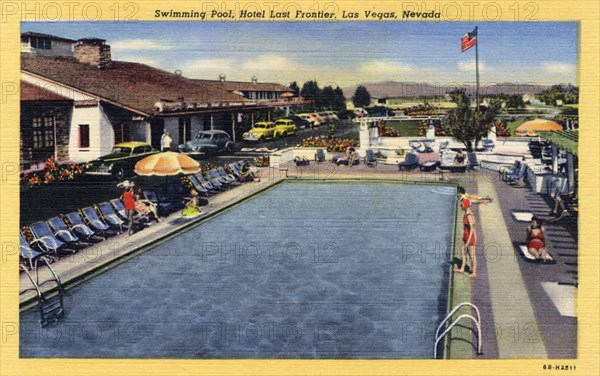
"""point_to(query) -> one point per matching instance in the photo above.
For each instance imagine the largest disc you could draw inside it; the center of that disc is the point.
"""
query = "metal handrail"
(449, 315)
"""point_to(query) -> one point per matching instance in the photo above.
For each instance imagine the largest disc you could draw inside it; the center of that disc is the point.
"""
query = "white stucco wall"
(101, 134)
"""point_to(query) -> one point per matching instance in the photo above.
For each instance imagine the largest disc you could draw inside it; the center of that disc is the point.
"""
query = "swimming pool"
(302, 270)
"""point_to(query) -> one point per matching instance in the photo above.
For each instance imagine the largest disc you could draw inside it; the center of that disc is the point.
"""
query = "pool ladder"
(477, 322)
(51, 307)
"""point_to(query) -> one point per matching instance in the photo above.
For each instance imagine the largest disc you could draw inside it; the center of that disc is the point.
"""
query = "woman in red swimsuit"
(469, 239)
(129, 202)
(535, 240)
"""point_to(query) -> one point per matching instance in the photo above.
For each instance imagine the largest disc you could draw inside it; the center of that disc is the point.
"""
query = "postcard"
(299, 187)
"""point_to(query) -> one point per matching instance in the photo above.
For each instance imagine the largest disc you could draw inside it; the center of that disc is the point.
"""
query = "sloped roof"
(131, 85)
(30, 92)
(246, 86)
(53, 37)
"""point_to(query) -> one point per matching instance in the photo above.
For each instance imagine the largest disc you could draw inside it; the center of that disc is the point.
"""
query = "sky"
(340, 53)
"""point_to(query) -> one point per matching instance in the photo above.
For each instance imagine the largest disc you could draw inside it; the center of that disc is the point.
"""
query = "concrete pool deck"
(519, 320)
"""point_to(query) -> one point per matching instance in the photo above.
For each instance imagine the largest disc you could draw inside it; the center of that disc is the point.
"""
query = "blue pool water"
(346, 270)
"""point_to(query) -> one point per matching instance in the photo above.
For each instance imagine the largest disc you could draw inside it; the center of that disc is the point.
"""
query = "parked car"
(380, 111)
(260, 131)
(300, 123)
(285, 127)
(328, 117)
(208, 142)
(312, 118)
(120, 162)
(346, 115)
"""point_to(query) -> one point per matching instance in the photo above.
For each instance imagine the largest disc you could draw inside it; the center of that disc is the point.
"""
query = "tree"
(294, 86)
(361, 97)
(340, 100)
(310, 90)
(468, 126)
(515, 101)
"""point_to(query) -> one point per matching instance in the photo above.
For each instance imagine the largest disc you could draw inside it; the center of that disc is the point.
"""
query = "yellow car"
(260, 131)
(285, 127)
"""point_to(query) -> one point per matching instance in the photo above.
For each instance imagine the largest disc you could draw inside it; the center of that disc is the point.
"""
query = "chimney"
(93, 51)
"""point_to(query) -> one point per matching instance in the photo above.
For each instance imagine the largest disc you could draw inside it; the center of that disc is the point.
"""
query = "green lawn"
(512, 125)
(406, 128)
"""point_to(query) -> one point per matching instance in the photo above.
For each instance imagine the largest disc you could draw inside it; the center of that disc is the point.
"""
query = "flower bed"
(51, 173)
(331, 144)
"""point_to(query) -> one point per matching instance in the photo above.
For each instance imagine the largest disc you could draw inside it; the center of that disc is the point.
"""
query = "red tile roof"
(131, 85)
(30, 92)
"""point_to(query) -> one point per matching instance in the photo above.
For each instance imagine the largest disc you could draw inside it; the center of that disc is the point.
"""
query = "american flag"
(468, 40)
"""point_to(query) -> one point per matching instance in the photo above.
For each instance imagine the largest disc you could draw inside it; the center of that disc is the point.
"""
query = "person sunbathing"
(145, 207)
(473, 198)
(459, 158)
(536, 240)
(191, 208)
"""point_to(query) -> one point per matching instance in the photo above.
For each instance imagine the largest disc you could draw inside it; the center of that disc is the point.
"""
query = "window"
(185, 129)
(43, 132)
(122, 133)
(42, 43)
(84, 135)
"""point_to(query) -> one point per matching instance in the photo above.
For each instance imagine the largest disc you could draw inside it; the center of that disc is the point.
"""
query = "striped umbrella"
(166, 164)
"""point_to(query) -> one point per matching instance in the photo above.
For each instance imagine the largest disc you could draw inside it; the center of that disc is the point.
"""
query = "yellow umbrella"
(530, 128)
(166, 164)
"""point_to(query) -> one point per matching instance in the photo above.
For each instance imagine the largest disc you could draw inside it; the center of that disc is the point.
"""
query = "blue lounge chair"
(488, 145)
(472, 161)
(163, 207)
(444, 146)
(90, 215)
(411, 161)
(516, 178)
(229, 177)
(79, 228)
(63, 233)
(214, 176)
(344, 160)
(44, 235)
(119, 207)
(110, 216)
(370, 158)
(197, 186)
(320, 156)
(27, 254)
(447, 163)
(206, 184)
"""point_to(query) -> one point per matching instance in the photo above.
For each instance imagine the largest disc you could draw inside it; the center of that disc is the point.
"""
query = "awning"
(566, 140)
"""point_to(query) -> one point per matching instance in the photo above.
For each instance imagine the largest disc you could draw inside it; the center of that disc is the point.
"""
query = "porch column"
(233, 127)
(554, 160)
(570, 173)
(212, 122)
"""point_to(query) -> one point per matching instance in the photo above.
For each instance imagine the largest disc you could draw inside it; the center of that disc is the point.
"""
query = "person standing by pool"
(129, 202)
(469, 239)
(165, 142)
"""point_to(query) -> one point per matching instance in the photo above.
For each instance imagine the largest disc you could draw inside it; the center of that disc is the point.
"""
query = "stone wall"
(96, 55)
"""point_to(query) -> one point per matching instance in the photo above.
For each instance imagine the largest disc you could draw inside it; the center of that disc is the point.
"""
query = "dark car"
(300, 123)
(379, 111)
(120, 162)
(208, 142)
(346, 114)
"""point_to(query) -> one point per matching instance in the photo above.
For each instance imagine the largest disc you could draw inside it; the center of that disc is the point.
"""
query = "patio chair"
(472, 161)
(229, 177)
(215, 182)
(370, 158)
(197, 186)
(213, 175)
(344, 160)
(63, 233)
(320, 156)
(27, 255)
(237, 172)
(83, 231)
(206, 184)
(516, 178)
(164, 207)
(504, 171)
(488, 145)
(110, 216)
(444, 146)
(411, 161)
(43, 234)
(90, 216)
(119, 208)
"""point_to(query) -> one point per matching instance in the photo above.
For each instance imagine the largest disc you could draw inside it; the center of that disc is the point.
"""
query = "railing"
(477, 322)
(51, 309)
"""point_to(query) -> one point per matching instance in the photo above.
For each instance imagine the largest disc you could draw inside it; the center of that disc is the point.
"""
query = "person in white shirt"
(165, 142)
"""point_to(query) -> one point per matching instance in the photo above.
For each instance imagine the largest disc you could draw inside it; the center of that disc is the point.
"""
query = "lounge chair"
(44, 235)
(410, 162)
(90, 215)
(370, 158)
(213, 175)
(229, 177)
(208, 185)
(488, 145)
(83, 231)
(320, 156)
(110, 216)
(444, 146)
(504, 171)
(163, 207)
(447, 163)
(472, 162)
(516, 178)
(63, 233)
(215, 182)
(344, 160)
(236, 170)
(197, 186)
(119, 208)
(27, 254)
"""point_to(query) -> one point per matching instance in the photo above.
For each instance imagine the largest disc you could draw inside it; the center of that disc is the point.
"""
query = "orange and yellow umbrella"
(166, 164)
(530, 128)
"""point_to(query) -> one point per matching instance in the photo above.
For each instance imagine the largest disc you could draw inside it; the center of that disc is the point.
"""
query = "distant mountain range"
(393, 89)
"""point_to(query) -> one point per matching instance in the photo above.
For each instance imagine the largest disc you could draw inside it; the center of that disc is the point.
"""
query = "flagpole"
(477, 67)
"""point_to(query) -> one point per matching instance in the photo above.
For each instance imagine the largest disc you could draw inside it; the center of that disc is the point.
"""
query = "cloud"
(139, 45)
(209, 69)
(556, 67)
(384, 67)
(470, 67)
(270, 63)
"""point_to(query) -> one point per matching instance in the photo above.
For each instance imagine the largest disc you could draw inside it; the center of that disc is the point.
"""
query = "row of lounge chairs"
(66, 234)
